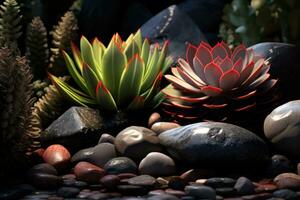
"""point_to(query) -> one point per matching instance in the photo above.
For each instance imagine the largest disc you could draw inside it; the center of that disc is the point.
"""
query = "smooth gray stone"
(282, 127)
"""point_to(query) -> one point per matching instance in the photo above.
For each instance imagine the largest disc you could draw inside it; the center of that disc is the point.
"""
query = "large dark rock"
(81, 127)
(174, 25)
(284, 66)
(211, 11)
(215, 144)
(77, 128)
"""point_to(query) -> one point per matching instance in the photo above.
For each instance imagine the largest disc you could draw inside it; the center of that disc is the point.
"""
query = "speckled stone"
(57, 156)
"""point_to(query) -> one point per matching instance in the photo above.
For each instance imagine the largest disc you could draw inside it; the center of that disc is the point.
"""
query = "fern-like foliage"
(10, 27)
(15, 108)
(64, 33)
(261, 20)
(49, 106)
(37, 50)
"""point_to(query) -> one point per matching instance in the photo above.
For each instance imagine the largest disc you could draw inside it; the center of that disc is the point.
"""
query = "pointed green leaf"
(129, 39)
(154, 89)
(167, 64)
(131, 80)
(77, 56)
(145, 52)
(87, 55)
(113, 64)
(163, 54)
(157, 100)
(98, 50)
(90, 78)
(138, 38)
(132, 49)
(71, 93)
(137, 103)
(104, 97)
(155, 66)
(150, 69)
(74, 72)
(118, 39)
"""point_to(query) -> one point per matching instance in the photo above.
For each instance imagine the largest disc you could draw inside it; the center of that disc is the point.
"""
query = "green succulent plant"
(125, 75)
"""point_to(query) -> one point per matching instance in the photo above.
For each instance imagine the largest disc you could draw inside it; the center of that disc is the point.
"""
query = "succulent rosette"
(217, 79)
(125, 75)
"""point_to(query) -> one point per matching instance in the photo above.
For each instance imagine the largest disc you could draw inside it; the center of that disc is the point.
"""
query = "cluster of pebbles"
(165, 161)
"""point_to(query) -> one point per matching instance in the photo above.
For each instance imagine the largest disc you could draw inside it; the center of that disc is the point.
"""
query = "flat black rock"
(174, 25)
(215, 144)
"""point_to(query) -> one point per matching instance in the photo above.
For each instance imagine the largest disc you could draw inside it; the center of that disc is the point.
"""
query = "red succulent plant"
(217, 78)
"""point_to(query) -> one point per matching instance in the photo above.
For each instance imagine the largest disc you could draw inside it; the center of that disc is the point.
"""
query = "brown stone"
(288, 180)
(136, 142)
(154, 117)
(88, 172)
(160, 127)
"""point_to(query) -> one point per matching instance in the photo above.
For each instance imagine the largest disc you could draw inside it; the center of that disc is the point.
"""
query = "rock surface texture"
(214, 143)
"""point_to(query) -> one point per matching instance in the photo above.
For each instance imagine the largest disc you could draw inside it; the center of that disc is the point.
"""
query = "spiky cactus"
(37, 50)
(64, 33)
(10, 18)
(16, 136)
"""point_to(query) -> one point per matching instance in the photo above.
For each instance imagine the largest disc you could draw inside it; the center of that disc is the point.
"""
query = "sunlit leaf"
(145, 52)
(79, 80)
(91, 79)
(87, 55)
(98, 50)
(71, 93)
(113, 64)
(131, 80)
(104, 97)
(138, 38)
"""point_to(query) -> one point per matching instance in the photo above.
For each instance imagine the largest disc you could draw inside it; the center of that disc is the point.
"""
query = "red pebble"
(57, 156)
